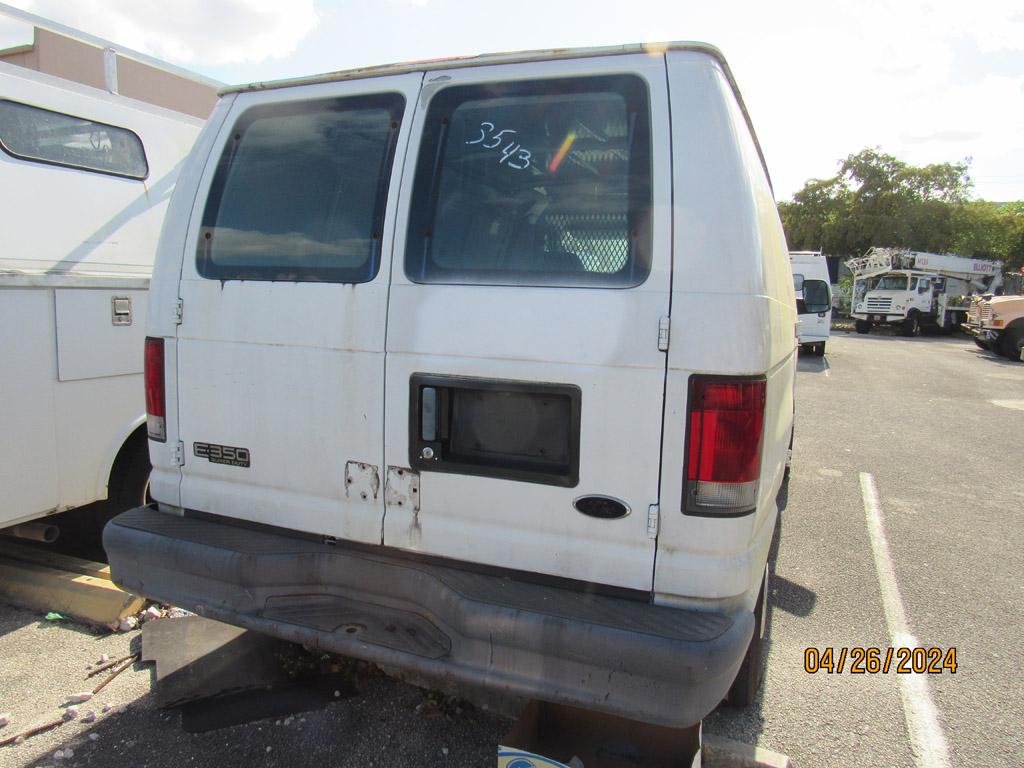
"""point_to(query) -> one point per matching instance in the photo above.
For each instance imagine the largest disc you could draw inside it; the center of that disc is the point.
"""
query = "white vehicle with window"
(813, 300)
(914, 290)
(86, 176)
(479, 368)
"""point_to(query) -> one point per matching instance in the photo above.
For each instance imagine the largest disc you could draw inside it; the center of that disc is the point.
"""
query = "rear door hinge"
(663, 332)
(178, 308)
(653, 517)
(179, 454)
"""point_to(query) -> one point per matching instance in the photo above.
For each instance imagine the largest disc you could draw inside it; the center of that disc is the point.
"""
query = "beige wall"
(81, 62)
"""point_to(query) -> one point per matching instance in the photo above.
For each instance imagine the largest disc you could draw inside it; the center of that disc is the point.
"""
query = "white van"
(86, 178)
(479, 368)
(813, 300)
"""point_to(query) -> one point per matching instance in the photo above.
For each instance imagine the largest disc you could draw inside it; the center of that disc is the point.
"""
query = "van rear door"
(284, 300)
(531, 276)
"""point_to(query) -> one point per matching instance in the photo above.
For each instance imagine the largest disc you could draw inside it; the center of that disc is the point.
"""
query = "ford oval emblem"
(603, 507)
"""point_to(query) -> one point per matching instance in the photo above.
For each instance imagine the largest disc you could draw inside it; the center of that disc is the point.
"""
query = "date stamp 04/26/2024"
(860, 660)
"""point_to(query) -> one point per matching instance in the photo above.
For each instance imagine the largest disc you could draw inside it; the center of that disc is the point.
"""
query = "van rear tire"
(748, 680)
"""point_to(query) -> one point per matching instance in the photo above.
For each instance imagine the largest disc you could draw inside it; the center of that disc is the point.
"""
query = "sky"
(928, 82)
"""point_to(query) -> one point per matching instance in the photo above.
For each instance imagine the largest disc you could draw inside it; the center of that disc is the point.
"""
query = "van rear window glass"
(817, 296)
(299, 192)
(43, 136)
(544, 182)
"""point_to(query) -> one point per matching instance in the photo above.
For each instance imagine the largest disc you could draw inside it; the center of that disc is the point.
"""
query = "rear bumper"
(628, 658)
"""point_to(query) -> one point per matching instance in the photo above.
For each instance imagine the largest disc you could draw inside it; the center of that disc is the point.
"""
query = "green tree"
(990, 231)
(877, 200)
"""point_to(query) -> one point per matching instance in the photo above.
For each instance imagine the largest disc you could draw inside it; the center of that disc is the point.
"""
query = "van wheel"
(748, 680)
(862, 326)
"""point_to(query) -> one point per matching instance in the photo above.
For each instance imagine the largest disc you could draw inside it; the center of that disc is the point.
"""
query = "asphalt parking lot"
(938, 426)
(903, 521)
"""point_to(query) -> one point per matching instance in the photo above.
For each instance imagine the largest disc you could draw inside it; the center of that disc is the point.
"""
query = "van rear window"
(544, 182)
(299, 192)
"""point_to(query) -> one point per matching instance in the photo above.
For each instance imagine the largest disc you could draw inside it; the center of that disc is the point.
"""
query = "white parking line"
(927, 739)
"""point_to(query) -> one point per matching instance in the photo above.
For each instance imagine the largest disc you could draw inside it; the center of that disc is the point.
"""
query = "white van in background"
(478, 368)
(85, 177)
(813, 300)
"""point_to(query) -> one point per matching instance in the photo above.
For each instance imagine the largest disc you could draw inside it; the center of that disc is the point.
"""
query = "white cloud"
(190, 32)
(890, 74)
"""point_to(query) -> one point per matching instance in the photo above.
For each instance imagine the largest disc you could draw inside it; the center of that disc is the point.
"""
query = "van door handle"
(428, 414)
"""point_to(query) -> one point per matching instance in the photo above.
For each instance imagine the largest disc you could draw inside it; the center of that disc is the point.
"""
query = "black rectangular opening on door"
(514, 430)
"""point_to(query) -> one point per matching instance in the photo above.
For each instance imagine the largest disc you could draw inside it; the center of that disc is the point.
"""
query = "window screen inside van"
(45, 136)
(544, 182)
(299, 192)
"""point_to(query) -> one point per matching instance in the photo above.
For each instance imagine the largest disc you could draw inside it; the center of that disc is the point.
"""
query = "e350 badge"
(222, 454)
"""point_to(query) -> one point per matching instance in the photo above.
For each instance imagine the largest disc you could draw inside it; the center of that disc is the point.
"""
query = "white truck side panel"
(27, 379)
(89, 345)
(92, 417)
(73, 239)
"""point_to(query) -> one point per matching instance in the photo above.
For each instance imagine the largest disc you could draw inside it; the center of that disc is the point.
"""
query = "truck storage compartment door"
(531, 275)
(284, 290)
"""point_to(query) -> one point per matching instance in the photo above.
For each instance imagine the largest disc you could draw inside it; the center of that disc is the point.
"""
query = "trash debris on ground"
(127, 624)
(117, 670)
(20, 737)
(79, 698)
(153, 612)
(54, 616)
(107, 663)
(436, 705)
(5, 719)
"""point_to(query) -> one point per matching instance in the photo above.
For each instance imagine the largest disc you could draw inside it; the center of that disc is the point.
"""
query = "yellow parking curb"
(67, 585)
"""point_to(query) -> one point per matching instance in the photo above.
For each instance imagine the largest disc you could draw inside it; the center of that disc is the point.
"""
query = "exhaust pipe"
(44, 532)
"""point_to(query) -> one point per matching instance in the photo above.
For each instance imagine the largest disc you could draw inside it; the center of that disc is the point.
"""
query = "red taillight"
(723, 465)
(156, 422)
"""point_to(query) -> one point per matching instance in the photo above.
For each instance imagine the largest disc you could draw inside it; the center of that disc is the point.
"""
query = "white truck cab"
(813, 300)
(480, 368)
